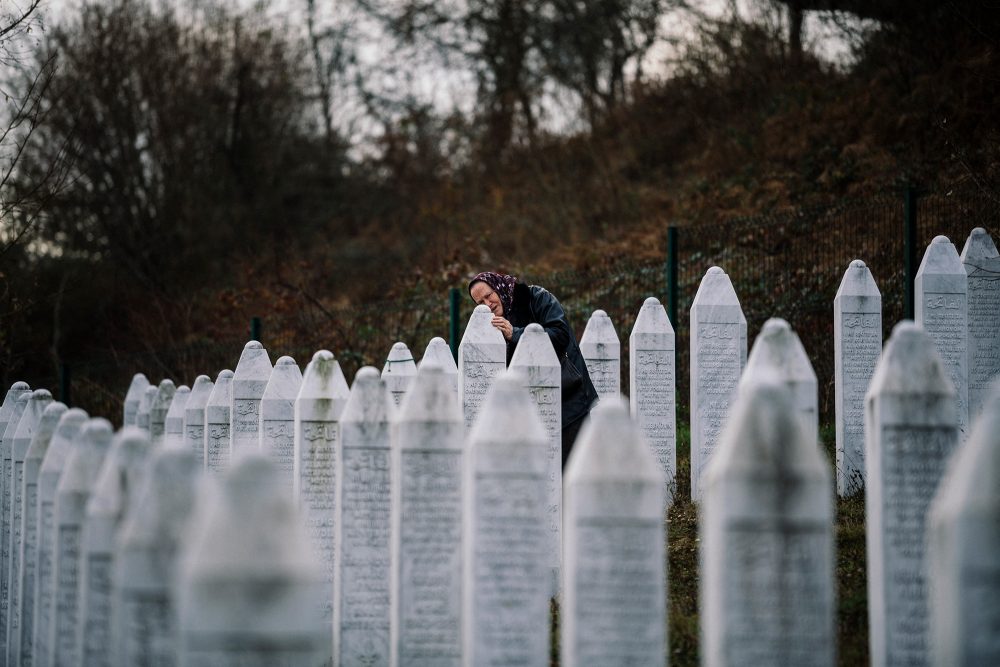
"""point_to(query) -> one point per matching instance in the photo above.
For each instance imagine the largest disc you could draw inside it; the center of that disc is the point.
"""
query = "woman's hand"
(505, 327)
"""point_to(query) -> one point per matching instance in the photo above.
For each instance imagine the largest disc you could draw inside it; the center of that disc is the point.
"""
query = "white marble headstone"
(766, 531)
(910, 432)
(482, 355)
(613, 610)
(217, 424)
(942, 309)
(399, 371)
(982, 263)
(508, 547)
(158, 409)
(16, 390)
(142, 411)
(438, 352)
(602, 351)
(652, 383)
(857, 343)
(133, 396)
(194, 416)
(362, 521)
(173, 426)
(249, 587)
(249, 382)
(963, 549)
(6, 456)
(428, 459)
(277, 418)
(538, 369)
(718, 353)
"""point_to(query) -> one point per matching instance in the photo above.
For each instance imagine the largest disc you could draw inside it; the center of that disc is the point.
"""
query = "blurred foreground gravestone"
(277, 418)
(482, 355)
(982, 264)
(437, 352)
(218, 426)
(398, 371)
(135, 391)
(173, 426)
(158, 409)
(194, 416)
(249, 382)
(602, 352)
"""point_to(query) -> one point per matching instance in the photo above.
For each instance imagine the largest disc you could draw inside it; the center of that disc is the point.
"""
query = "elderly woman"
(515, 306)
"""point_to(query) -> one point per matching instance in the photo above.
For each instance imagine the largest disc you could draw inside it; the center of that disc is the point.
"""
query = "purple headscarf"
(502, 284)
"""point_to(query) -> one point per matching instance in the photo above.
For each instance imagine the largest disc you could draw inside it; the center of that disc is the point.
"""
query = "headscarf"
(500, 283)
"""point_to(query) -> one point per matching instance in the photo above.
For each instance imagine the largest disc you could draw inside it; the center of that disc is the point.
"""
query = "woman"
(515, 306)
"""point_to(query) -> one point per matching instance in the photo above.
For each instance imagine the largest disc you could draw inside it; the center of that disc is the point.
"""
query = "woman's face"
(484, 295)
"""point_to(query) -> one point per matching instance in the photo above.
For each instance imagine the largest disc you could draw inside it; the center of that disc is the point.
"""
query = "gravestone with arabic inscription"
(277, 417)
(142, 413)
(158, 409)
(218, 424)
(602, 352)
(482, 355)
(173, 426)
(194, 416)
(982, 264)
(438, 352)
(249, 382)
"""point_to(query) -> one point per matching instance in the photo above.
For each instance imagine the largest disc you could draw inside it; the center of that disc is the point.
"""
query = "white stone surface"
(19, 407)
(145, 404)
(132, 397)
(718, 354)
(438, 352)
(538, 368)
(83, 465)
(158, 409)
(613, 610)
(113, 494)
(318, 407)
(963, 549)
(942, 309)
(507, 537)
(482, 355)
(21, 648)
(428, 459)
(67, 431)
(652, 386)
(144, 609)
(277, 418)
(766, 530)
(194, 416)
(602, 352)
(10, 604)
(217, 424)
(362, 521)
(399, 371)
(13, 407)
(857, 344)
(16, 390)
(173, 426)
(249, 586)
(910, 431)
(249, 382)
(982, 263)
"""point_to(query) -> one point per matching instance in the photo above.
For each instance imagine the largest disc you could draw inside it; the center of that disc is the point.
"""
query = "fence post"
(454, 294)
(672, 276)
(909, 247)
(255, 329)
(65, 378)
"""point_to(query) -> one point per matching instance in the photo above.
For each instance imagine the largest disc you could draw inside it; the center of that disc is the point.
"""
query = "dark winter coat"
(536, 304)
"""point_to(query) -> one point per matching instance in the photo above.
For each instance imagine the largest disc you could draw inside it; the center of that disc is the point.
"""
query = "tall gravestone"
(67, 431)
(18, 409)
(942, 309)
(277, 417)
(135, 391)
(428, 461)
(113, 493)
(13, 406)
(218, 431)
(173, 426)
(318, 407)
(362, 522)
(652, 383)
(963, 549)
(83, 465)
(857, 343)
(482, 355)
(142, 411)
(21, 649)
(399, 371)
(982, 264)
(249, 382)
(144, 625)
(194, 416)
(158, 409)
(508, 546)
(540, 373)
(13, 522)
(249, 586)
(910, 431)
(602, 352)
(16, 390)
(614, 590)
(437, 352)
(767, 540)
(718, 353)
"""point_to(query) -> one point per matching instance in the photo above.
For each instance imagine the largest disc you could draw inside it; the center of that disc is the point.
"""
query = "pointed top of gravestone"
(977, 247)
(717, 289)
(37, 402)
(179, 403)
(600, 330)
(121, 475)
(146, 400)
(534, 348)
(714, 271)
(778, 348)
(369, 401)
(858, 281)
(285, 381)
(941, 257)
(16, 390)
(480, 329)
(400, 360)
(222, 391)
(136, 387)
(910, 364)
(286, 360)
(324, 378)
(7, 437)
(430, 398)
(508, 415)
(438, 352)
(18, 386)
(652, 318)
(85, 457)
(164, 395)
(612, 448)
(46, 430)
(66, 431)
(162, 505)
(254, 364)
(199, 393)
